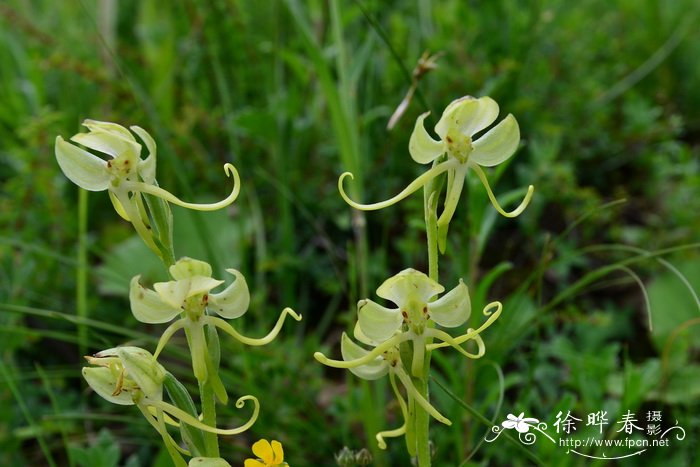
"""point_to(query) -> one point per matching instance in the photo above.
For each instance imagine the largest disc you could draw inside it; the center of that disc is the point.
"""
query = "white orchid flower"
(190, 295)
(132, 376)
(119, 169)
(460, 122)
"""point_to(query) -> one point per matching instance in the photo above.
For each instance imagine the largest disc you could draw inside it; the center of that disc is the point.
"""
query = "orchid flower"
(414, 319)
(132, 376)
(126, 176)
(461, 120)
(189, 295)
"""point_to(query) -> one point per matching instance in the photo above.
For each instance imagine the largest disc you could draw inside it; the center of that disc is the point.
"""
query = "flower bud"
(124, 375)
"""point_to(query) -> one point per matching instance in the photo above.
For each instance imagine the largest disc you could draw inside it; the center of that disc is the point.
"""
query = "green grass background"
(607, 95)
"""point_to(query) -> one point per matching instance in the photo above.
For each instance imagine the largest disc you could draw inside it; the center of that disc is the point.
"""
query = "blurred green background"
(607, 95)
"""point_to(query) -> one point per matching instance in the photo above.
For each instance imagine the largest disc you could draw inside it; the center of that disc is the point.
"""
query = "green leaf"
(104, 452)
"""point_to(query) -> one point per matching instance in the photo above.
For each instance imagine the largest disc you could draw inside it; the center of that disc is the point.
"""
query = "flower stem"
(211, 440)
(421, 418)
(82, 270)
(208, 401)
(422, 424)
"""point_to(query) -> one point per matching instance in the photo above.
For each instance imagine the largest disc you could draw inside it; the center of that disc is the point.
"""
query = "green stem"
(421, 418)
(211, 441)
(431, 234)
(422, 424)
(208, 401)
(81, 270)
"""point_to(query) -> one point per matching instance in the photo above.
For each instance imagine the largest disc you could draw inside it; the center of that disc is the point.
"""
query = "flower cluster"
(130, 375)
(398, 340)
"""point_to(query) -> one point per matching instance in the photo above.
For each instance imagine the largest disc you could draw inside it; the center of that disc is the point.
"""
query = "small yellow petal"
(278, 453)
(253, 463)
(263, 450)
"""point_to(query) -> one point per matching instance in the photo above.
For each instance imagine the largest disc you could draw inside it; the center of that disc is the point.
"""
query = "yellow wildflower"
(269, 455)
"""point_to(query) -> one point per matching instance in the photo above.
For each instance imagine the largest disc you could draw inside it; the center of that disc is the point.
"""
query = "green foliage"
(103, 452)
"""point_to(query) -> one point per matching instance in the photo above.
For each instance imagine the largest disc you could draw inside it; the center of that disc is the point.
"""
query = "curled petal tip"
(487, 309)
(169, 197)
(515, 212)
(519, 210)
(344, 195)
(242, 400)
(292, 313)
(381, 443)
(318, 356)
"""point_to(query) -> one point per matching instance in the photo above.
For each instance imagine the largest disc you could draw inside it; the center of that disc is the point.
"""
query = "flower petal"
(147, 306)
(422, 147)
(362, 337)
(370, 371)
(453, 308)
(174, 293)
(509, 424)
(444, 122)
(104, 383)
(277, 451)
(147, 167)
(202, 284)
(234, 300)
(118, 206)
(186, 267)
(263, 450)
(522, 427)
(468, 114)
(253, 463)
(141, 367)
(377, 322)
(109, 127)
(109, 143)
(409, 284)
(498, 144)
(82, 168)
